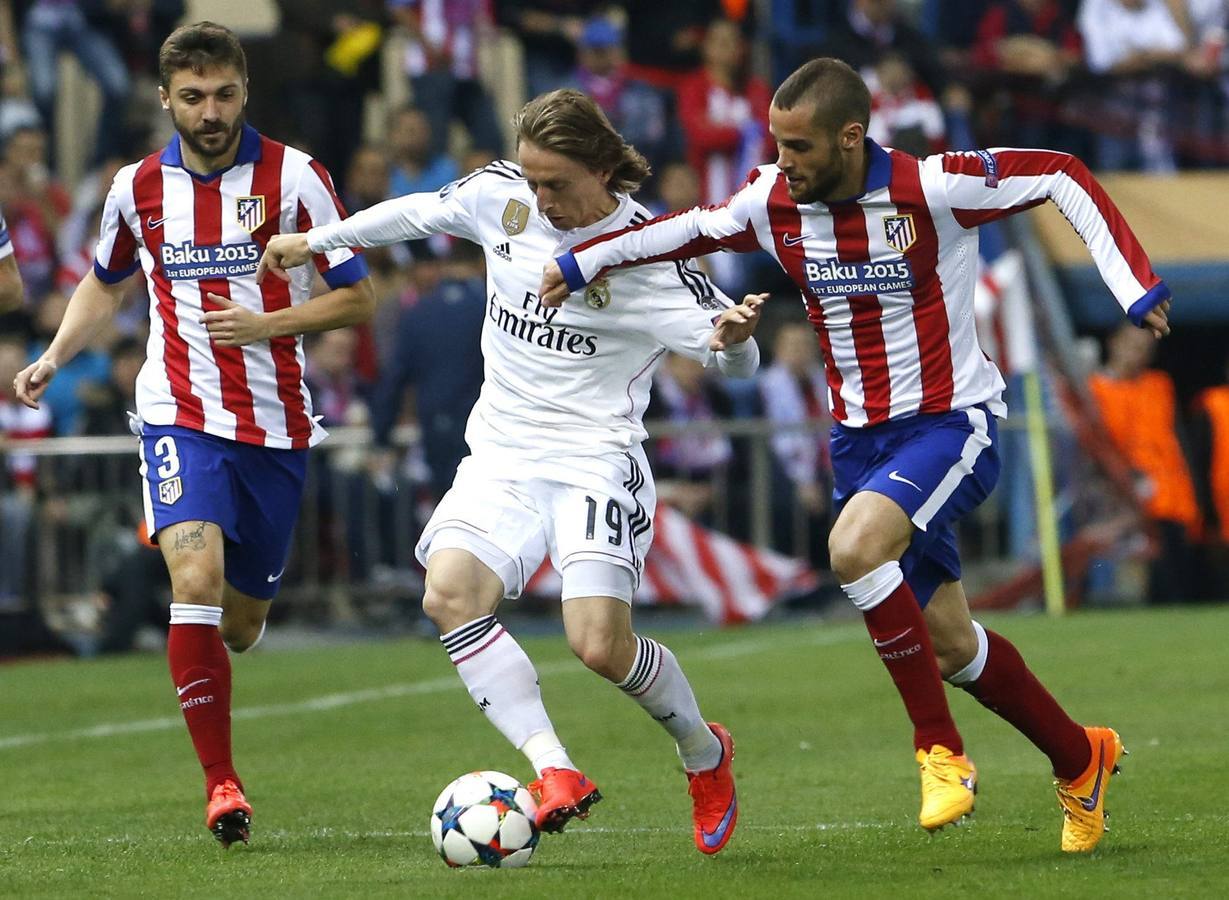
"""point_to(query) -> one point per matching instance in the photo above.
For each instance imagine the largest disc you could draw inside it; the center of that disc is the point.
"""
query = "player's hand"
(554, 288)
(737, 323)
(233, 325)
(31, 382)
(284, 251)
(1157, 320)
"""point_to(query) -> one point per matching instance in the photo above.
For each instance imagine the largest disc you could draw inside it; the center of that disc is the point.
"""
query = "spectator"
(109, 407)
(1139, 47)
(904, 114)
(664, 39)
(52, 26)
(637, 110)
(793, 392)
(442, 64)
(1137, 405)
(19, 476)
(1026, 50)
(724, 113)
(1210, 449)
(548, 31)
(874, 28)
(436, 350)
(416, 166)
(35, 204)
(89, 369)
(686, 465)
(678, 187)
(329, 62)
(367, 177)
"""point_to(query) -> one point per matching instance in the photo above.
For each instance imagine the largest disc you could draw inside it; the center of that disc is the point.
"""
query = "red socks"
(1006, 687)
(200, 668)
(899, 633)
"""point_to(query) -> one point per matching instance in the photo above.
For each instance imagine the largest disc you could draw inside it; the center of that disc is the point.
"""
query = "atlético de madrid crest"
(250, 211)
(899, 232)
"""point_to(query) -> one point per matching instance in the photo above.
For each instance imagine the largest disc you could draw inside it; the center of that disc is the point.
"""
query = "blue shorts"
(252, 493)
(935, 467)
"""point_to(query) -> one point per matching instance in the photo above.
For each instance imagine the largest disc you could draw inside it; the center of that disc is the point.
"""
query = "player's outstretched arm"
(235, 326)
(92, 305)
(284, 251)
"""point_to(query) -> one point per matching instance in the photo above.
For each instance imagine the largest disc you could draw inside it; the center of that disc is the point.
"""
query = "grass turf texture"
(343, 750)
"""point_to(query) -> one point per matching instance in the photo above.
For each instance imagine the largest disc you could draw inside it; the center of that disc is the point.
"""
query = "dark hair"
(571, 124)
(838, 92)
(197, 47)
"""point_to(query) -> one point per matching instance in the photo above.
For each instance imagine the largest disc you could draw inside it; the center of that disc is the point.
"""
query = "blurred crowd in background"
(1125, 84)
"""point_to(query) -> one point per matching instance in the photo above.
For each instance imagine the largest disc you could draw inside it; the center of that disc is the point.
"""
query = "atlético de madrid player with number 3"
(883, 247)
(226, 418)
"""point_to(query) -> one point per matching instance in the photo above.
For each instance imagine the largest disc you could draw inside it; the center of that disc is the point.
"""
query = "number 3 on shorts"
(614, 520)
(168, 453)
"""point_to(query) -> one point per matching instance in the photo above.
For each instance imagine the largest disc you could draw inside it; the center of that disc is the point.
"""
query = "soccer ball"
(485, 818)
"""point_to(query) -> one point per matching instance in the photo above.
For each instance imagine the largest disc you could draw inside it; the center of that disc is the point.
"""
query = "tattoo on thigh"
(191, 540)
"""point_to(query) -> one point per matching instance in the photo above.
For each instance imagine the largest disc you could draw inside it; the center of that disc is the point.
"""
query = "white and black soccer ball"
(485, 818)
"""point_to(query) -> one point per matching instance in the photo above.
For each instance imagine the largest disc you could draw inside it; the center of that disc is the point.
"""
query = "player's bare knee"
(450, 605)
(603, 651)
(199, 585)
(239, 636)
(954, 651)
(855, 551)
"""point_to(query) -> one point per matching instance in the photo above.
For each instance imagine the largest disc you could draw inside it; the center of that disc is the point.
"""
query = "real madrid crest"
(250, 211)
(597, 295)
(516, 217)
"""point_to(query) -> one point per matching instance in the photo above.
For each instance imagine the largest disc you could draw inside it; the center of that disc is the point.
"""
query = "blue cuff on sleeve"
(1147, 303)
(571, 271)
(106, 276)
(351, 271)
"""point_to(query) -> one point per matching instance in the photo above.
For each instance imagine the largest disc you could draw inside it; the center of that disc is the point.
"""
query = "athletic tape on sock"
(973, 670)
(875, 586)
(195, 614)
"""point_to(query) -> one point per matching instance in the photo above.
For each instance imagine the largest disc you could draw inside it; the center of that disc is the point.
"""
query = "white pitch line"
(723, 651)
(575, 830)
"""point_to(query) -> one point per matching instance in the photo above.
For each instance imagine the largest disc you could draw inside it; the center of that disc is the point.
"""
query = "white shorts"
(577, 517)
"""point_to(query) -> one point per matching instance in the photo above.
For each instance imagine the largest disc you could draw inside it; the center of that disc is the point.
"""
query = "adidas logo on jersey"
(504, 251)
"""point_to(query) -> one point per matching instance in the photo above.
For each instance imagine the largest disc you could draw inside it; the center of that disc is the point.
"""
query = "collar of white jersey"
(249, 152)
(612, 222)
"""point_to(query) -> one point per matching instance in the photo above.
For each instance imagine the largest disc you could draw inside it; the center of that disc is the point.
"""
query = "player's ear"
(852, 135)
(164, 97)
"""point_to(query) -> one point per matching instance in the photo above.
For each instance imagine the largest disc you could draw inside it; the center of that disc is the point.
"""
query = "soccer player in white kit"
(11, 288)
(883, 247)
(556, 464)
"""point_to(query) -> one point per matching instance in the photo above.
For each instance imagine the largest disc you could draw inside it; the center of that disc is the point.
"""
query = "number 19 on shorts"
(614, 521)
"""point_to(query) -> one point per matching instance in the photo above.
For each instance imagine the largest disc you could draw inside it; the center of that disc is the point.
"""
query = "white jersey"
(575, 379)
(887, 278)
(197, 235)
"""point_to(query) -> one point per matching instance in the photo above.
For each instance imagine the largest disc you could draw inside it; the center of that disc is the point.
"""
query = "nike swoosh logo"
(891, 640)
(791, 241)
(151, 223)
(715, 837)
(1090, 802)
(969, 783)
(895, 475)
(273, 578)
(187, 687)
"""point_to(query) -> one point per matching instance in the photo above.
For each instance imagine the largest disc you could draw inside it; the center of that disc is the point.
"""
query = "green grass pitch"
(344, 749)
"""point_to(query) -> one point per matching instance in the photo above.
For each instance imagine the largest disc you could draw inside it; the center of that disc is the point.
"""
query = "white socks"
(194, 614)
(658, 684)
(504, 684)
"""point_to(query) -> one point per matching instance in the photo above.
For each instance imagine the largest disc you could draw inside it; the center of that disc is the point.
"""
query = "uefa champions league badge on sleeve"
(597, 295)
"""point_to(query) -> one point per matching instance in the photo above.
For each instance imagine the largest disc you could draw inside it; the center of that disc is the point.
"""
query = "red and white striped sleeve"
(115, 257)
(320, 205)
(986, 185)
(679, 235)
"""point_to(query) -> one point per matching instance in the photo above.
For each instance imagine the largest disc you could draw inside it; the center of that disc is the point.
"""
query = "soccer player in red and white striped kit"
(225, 419)
(883, 247)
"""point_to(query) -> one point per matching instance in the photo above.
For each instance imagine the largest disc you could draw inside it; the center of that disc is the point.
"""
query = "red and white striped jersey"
(888, 278)
(194, 235)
